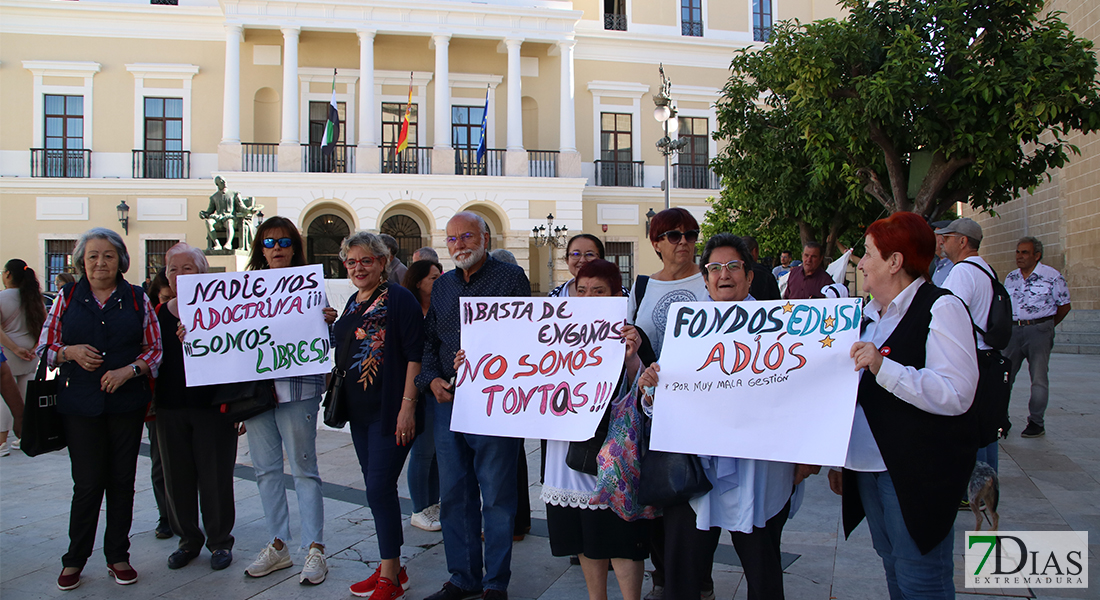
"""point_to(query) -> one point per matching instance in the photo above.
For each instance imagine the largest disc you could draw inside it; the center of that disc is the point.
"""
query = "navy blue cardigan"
(404, 344)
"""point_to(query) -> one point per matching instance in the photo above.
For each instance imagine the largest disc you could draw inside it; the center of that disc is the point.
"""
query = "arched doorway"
(407, 233)
(323, 238)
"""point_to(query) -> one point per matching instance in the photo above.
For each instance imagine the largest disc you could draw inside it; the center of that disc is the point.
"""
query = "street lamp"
(665, 113)
(649, 217)
(124, 216)
(554, 237)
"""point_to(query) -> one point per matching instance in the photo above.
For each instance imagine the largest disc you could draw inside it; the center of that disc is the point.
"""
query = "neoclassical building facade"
(115, 110)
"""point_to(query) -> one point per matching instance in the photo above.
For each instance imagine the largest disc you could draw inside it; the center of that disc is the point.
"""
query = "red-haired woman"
(913, 438)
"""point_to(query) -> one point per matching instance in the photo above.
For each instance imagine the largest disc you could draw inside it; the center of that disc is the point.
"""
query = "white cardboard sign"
(538, 367)
(764, 380)
(251, 325)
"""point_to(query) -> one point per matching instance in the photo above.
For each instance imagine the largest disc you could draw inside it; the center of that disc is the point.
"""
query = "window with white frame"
(761, 20)
(59, 259)
(61, 141)
(614, 15)
(691, 17)
(162, 119)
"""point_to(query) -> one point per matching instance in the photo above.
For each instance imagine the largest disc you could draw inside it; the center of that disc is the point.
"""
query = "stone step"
(1070, 337)
(1082, 326)
(1060, 348)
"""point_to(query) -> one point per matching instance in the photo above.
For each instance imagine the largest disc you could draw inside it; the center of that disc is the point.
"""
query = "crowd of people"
(119, 352)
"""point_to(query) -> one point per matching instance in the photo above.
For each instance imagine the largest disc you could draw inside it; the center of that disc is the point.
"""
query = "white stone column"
(290, 152)
(443, 161)
(569, 160)
(229, 150)
(367, 159)
(515, 161)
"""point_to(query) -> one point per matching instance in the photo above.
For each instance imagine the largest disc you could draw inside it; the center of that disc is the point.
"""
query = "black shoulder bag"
(335, 405)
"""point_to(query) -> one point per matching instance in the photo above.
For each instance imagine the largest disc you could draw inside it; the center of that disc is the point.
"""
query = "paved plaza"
(1051, 482)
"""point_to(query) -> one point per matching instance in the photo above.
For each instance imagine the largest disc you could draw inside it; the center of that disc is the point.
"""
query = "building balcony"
(542, 163)
(621, 174)
(261, 158)
(694, 177)
(340, 160)
(59, 162)
(491, 163)
(614, 22)
(414, 159)
(162, 164)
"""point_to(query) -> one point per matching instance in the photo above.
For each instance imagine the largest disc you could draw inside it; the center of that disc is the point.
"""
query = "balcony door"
(163, 157)
(316, 161)
(64, 155)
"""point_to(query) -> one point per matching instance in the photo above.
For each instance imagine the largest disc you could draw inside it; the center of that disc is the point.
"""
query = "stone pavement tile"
(1064, 481)
(534, 568)
(1016, 511)
(427, 572)
(571, 586)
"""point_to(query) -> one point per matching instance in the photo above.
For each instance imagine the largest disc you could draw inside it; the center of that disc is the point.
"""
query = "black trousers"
(103, 451)
(523, 497)
(689, 555)
(199, 451)
(156, 474)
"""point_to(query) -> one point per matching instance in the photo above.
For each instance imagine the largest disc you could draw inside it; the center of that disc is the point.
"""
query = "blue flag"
(484, 117)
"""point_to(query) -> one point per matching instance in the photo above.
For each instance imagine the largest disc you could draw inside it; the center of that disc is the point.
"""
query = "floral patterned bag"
(619, 461)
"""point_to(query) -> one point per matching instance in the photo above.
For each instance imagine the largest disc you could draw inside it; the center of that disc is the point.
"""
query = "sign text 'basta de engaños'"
(538, 367)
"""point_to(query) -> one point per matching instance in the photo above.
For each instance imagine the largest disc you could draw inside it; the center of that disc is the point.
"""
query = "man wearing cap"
(1040, 300)
(941, 265)
(959, 241)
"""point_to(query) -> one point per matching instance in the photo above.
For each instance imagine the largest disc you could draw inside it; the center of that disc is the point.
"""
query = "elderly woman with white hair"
(105, 339)
(198, 445)
(379, 343)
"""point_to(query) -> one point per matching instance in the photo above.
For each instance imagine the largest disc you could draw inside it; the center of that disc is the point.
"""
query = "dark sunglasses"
(283, 242)
(676, 235)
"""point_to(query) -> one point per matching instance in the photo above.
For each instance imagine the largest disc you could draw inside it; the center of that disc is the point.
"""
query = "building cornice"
(111, 19)
(680, 51)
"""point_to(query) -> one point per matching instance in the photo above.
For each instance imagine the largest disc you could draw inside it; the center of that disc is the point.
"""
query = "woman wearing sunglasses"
(293, 425)
(582, 249)
(673, 233)
(752, 499)
(380, 339)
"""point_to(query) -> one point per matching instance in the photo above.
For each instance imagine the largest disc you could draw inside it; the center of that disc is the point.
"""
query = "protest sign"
(764, 380)
(538, 367)
(253, 325)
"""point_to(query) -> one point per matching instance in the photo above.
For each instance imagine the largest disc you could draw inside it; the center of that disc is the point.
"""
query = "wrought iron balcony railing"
(542, 163)
(491, 163)
(696, 177)
(262, 158)
(414, 159)
(60, 162)
(162, 164)
(622, 174)
(340, 160)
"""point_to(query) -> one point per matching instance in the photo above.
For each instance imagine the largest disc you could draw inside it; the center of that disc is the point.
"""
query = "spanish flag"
(403, 139)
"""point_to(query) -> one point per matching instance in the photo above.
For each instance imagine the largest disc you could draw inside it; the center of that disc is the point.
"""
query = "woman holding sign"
(103, 336)
(913, 436)
(198, 446)
(292, 424)
(751, 499)
(379, 342)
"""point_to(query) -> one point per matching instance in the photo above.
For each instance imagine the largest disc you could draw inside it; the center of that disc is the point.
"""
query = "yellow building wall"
(654, 13)
(732, 16)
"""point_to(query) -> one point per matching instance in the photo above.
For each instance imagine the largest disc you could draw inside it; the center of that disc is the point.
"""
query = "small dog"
(984, 489)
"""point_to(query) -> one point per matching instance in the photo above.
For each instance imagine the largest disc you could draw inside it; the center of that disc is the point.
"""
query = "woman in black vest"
(104, 337)
(198, 445)
(913, 437)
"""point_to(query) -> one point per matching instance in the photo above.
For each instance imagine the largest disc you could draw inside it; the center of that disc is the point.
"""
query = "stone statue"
(224, 207)
(247, 217)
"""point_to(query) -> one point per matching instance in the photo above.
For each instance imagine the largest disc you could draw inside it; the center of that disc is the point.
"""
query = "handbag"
(670, 478)
(43, 430)
(992, 396)
(581, 456)
(243, 400)
(335, 405)
(617, 480)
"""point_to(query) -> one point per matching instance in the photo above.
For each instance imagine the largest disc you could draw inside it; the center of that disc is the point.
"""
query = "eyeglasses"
(716, 267)
(585, 255)
(367, 262)
(283, 242)
(464, 238)
(676, 235)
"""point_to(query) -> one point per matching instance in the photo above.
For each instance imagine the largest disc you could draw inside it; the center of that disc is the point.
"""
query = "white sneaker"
(427, 519)
(4, 449)
(315, 569)
(269, 560)
(14, 444)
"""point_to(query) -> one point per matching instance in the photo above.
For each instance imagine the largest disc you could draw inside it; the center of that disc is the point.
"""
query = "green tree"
(972, 99)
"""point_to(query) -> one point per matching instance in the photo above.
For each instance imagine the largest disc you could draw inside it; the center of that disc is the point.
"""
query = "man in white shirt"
(959, 241)
(1040, 300)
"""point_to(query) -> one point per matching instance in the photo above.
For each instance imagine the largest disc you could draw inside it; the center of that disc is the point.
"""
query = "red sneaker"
(366, 587)
(387, 590)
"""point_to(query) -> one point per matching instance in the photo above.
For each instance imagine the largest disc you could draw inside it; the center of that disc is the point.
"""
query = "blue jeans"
(293, 425)
(423, 474)
(381, 460)
(467, 462)
(909, 575)
(988, 455)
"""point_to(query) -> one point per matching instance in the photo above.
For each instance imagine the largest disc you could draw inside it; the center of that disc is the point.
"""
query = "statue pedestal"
(226, 261)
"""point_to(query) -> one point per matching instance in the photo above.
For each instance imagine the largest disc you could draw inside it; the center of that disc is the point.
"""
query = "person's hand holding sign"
(648, 383)
(867, 356)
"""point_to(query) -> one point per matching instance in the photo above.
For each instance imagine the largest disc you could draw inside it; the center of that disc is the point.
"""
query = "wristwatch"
(137, 370)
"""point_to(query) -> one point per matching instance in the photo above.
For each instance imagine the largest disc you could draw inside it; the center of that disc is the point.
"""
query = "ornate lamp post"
(665, 113)
(548, 235)
(124, 216)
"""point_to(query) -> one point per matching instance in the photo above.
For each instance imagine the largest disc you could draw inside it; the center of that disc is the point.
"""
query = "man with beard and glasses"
(468, 462)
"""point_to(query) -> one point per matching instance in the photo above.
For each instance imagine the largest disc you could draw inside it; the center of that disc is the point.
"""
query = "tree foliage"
(982, 92)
